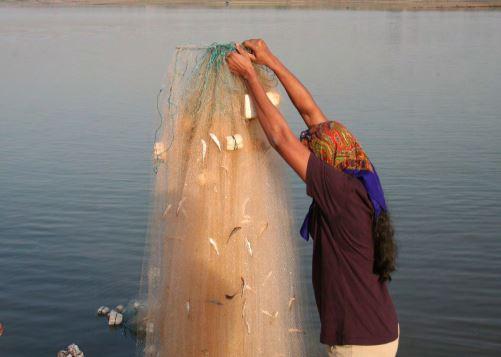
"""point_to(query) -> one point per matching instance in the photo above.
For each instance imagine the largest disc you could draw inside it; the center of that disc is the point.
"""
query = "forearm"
(273, 123)
(299, 95)
(277, 130)
(270, 118)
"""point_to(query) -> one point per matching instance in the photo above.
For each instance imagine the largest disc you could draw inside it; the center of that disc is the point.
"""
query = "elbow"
(280, 138)
(307, 110)
(313, 116)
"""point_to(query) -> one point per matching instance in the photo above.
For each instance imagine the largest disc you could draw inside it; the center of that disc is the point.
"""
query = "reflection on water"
(77, 115)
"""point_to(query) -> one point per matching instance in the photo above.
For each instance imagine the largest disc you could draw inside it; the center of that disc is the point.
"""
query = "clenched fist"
(240, 63)
(260, 53)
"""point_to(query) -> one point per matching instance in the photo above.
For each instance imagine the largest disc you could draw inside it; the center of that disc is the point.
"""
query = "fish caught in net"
(220, 276)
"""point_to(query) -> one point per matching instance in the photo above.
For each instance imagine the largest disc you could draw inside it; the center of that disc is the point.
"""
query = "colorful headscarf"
(336, 146)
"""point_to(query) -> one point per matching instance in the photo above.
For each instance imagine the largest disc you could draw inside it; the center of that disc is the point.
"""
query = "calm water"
(77, 114)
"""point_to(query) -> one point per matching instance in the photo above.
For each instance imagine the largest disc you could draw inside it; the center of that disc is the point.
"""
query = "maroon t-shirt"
(354, 307)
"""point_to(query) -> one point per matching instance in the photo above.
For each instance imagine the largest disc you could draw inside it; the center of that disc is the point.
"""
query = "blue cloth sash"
(370, 180)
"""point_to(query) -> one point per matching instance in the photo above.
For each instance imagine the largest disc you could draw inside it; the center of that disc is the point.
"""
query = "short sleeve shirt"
(355, 307)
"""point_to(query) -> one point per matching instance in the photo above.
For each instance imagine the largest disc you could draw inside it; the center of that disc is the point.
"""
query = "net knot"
(218, 52)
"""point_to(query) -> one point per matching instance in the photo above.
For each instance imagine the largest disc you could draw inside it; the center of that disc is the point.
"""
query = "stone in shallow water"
(119, 308)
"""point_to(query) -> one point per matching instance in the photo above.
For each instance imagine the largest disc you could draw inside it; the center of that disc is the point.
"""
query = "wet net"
(220, 276)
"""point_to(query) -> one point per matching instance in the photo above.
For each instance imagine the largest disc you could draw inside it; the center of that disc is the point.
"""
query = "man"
(354, 251)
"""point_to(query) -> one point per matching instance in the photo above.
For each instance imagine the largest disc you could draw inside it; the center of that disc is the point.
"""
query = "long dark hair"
(385, 247)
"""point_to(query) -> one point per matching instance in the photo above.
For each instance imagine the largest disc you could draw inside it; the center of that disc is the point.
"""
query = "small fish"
(263, 228)
(245, 221)
(216, 302)
(244, 208)
(225, 169)
(244, 317)
(216, 140)
(169, 206)
(267, 277)
(296, 330)
(214, 245)
(267, 313)
(233, 231)
(248, 245)
(229, 297)
(204, 149)
(188, 307)
(291, 301)
(179, 205)
(245, 286)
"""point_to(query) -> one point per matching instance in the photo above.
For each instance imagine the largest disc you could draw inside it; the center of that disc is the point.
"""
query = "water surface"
(77, 115)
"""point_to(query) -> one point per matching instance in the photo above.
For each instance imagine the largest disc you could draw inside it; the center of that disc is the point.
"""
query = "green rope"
(216, 57)
(218, 52)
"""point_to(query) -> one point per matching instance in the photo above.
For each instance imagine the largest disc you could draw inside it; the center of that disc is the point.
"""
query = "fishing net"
(220, 278)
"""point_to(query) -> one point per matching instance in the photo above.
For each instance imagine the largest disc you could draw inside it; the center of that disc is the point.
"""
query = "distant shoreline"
(408, 5)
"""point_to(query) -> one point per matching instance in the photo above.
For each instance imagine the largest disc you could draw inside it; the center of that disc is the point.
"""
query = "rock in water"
(119, 308)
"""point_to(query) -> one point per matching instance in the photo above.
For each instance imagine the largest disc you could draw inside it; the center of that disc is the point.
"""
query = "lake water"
(421, 90)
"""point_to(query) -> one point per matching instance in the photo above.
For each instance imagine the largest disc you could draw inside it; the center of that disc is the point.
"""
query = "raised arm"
(299, 95)
(274, 125)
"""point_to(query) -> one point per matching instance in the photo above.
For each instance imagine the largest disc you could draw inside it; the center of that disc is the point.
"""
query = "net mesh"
(220, 276)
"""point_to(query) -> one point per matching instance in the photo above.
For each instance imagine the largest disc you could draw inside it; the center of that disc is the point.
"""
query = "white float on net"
(249, 108)
(115, 318)
(234, 142)
(160, 152)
